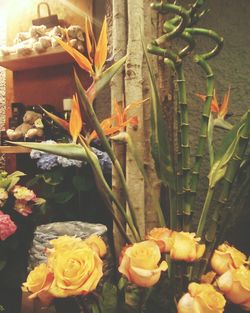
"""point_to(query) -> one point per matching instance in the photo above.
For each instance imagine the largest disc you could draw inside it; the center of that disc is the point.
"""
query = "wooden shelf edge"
(13, 150)
(51, 57)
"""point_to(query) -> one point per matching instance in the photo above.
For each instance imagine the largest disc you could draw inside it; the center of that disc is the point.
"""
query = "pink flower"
(22, 207)
(7, 226)
(23, 193)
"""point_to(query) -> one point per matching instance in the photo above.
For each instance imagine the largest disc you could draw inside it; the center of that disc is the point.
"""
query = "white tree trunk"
(119, 41)
(134, 92)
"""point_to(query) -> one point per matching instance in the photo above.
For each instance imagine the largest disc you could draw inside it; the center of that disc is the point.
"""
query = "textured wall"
(230, 19)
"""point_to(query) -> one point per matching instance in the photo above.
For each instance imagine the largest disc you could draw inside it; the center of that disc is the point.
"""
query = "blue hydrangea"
(104, 160)
(47, 161)
(65, 162)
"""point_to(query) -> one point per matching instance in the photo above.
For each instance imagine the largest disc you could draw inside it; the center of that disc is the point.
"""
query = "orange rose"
(140, 263)
(235, 284)
(185, 247)
(226, 258)
(38, 282)
(77, 270)
(201, 298)
(162, 236)
(96, 243)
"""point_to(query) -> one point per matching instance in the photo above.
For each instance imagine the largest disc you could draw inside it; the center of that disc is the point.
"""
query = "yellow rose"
(77, 270)
(235, 284)
(140, 263)
(201, 298)
(38, 283)
(96, 242)
(226, 258)
(185, 247)
(162, 236)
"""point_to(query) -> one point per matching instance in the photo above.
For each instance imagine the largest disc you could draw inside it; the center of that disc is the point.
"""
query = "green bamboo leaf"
(54, 177)
(16, 174)
(229, 138)
(13, 182)
(68, 150)
(159, 136)
(4, 183)
(219, 167)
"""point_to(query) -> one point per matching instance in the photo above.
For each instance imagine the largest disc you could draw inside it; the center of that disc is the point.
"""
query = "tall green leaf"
(225, 153)
(159, 135)
(68, 150)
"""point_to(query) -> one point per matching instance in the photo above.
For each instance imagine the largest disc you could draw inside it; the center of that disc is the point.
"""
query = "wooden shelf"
(13, 150)
(52, 57)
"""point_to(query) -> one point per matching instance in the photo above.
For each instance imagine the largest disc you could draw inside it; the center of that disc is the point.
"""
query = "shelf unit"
(13, 150)
(51, 57)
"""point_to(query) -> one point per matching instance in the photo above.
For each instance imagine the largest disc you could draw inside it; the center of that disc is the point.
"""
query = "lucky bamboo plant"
(187, 259)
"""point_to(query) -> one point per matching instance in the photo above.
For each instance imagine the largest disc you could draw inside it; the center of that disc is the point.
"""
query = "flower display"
(226, 257)
(141, 263)
(201, 298)
(162, 236)
(7, 226)
(73, 268)
(235, 285)
(182, 246)
(186, 247)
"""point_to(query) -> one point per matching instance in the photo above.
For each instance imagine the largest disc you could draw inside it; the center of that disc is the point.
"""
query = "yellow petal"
(90, 39)
(75, 122)
(101, 48)
(81, 60)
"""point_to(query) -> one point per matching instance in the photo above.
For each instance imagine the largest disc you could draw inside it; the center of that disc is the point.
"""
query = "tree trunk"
(134, 92)
(119, 41)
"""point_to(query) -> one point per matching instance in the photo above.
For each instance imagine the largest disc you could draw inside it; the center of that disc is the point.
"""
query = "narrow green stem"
(205, 209)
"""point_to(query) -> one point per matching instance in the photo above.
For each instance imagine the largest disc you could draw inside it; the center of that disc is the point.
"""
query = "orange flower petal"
(75, 122)
(101, 48)
(90, 39)
(224, 105)
(64, 124)
(81, 60)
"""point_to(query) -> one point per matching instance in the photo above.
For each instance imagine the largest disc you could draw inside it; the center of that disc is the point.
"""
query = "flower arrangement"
(16, 216)
(170, 270)
(74, 267)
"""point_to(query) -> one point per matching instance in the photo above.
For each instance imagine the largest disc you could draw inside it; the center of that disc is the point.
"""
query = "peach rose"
(96, 243)
(162, 236)
(201, 298)
(226, 257)
(38, 283)
(77, 270)
(185, 247)
(140, 263)
(235, 284)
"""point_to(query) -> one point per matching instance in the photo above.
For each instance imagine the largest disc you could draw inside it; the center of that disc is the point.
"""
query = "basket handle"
(39, 7)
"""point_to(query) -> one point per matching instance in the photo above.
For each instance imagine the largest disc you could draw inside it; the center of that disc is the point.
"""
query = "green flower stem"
(205, 209)
(92, 115)
(108, 194)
